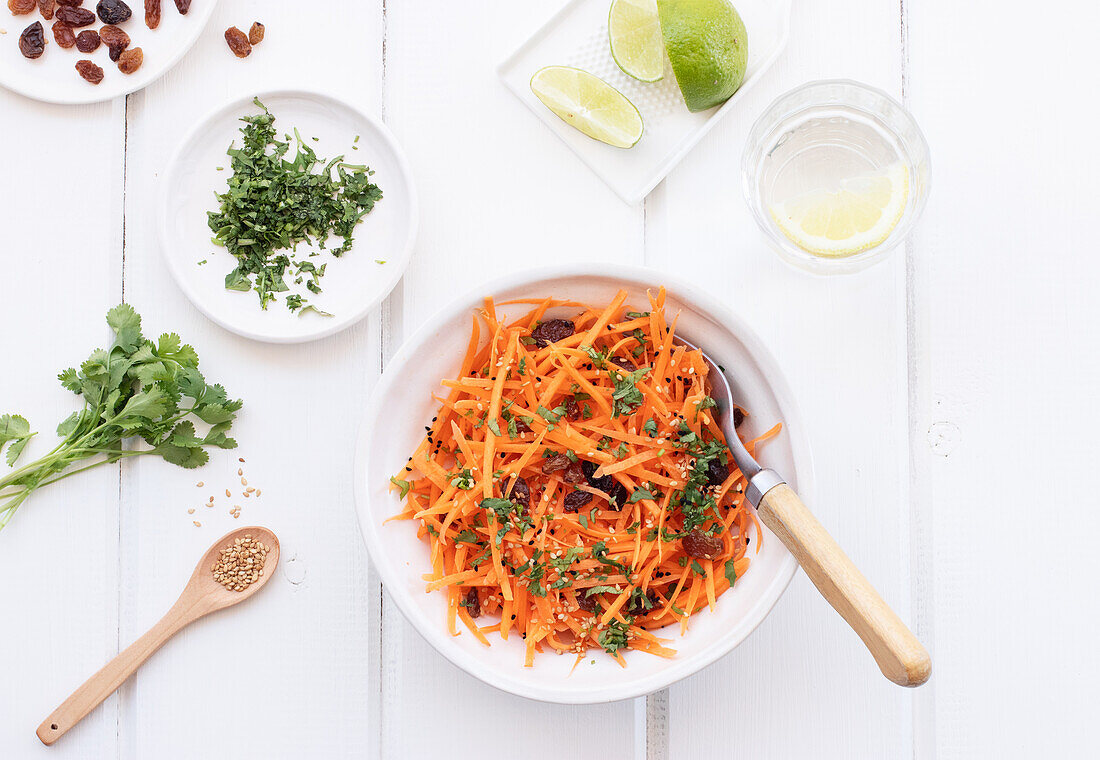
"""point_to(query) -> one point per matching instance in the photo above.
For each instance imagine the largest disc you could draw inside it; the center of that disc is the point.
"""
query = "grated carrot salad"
(574, 487)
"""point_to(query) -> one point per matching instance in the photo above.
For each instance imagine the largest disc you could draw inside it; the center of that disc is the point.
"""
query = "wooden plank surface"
(59, 554)
(1005, 325)
(917, 381)
(841, 344)
(499, 193)
(301, 648)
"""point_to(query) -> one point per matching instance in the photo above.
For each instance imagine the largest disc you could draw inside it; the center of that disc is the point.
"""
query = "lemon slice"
(634, 30)
(588, 103)
(858, 216)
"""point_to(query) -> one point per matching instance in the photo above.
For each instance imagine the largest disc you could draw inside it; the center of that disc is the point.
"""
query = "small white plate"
(353, 283)
(577, 36)
(402, 404)
(53, 77)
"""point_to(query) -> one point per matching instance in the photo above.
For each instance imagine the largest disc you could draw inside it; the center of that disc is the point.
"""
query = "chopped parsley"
(614, 637)
(463, 480)
(272, 204)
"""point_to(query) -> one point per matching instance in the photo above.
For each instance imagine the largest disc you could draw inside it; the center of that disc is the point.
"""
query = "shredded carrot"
(570, 477)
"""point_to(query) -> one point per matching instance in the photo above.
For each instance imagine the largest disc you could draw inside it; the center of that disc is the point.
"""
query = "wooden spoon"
(897, 652)
(201, 596)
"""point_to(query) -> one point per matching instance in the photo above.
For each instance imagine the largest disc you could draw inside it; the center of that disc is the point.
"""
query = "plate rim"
(338, 324)
(93, 90)
(777, 383)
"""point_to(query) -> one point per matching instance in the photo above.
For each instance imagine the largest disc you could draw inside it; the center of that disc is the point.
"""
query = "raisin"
(554, 463)
(112, 36)
(152, 13)
(574, 500)
(589, 469)
(617, 496)
(87, 41)
(90, 71)
(551, 331)
(22, 7)
(63, 34)
(113, 11)
(640, 605)
(586, 602)
(616, 491)
(572, 408)
(69, 2)
(473, 602)
(130, 60)
(622, 363)
(183, 6)
(256, 33)
(45, 7)
(717, 473)
(520, 494)
(574, 473)
(522, 427)
(238, 42)
(738, 417)
(115, 39)
(701, 546)
(75, 17)
(32, 42)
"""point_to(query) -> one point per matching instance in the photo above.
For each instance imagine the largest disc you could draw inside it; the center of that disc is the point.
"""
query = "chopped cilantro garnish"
(463, 480)
(273, 203)
(730, 572)
(404, 485)
(614, 637)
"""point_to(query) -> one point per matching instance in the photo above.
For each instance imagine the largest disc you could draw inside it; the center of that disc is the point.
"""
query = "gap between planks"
(920, 521)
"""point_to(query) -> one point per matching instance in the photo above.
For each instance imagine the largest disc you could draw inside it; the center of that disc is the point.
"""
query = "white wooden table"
(951, 394)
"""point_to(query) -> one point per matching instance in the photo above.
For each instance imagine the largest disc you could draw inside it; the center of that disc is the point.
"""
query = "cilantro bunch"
(134, 389)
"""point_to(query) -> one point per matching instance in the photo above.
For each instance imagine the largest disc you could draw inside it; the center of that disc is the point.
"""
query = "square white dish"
(577, 36)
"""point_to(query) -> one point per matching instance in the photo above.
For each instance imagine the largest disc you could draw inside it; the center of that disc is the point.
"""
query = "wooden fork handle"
(100, 686)
(899, 655)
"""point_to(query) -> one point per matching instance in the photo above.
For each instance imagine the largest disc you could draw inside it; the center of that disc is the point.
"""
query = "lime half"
(856, 217)
(708, 48)
(634, 29)
(589, 104)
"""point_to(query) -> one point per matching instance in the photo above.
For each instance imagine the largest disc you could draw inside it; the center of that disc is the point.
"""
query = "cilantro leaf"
(730, 572)
(404, 485)
(614, 637)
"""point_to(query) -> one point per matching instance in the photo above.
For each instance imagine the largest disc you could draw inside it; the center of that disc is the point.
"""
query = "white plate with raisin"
(87, 51)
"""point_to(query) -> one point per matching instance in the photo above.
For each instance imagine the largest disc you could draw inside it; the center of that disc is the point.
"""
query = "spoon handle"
(100, 686)
(899, 655)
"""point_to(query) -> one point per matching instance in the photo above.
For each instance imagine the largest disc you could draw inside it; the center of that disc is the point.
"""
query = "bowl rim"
(434, 634)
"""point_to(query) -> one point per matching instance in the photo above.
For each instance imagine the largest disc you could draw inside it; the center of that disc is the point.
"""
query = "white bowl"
(402, 405)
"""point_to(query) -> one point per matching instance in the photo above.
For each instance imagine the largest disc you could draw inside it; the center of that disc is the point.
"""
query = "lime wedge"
(589, 104)
(634, 29)
(857, 216)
